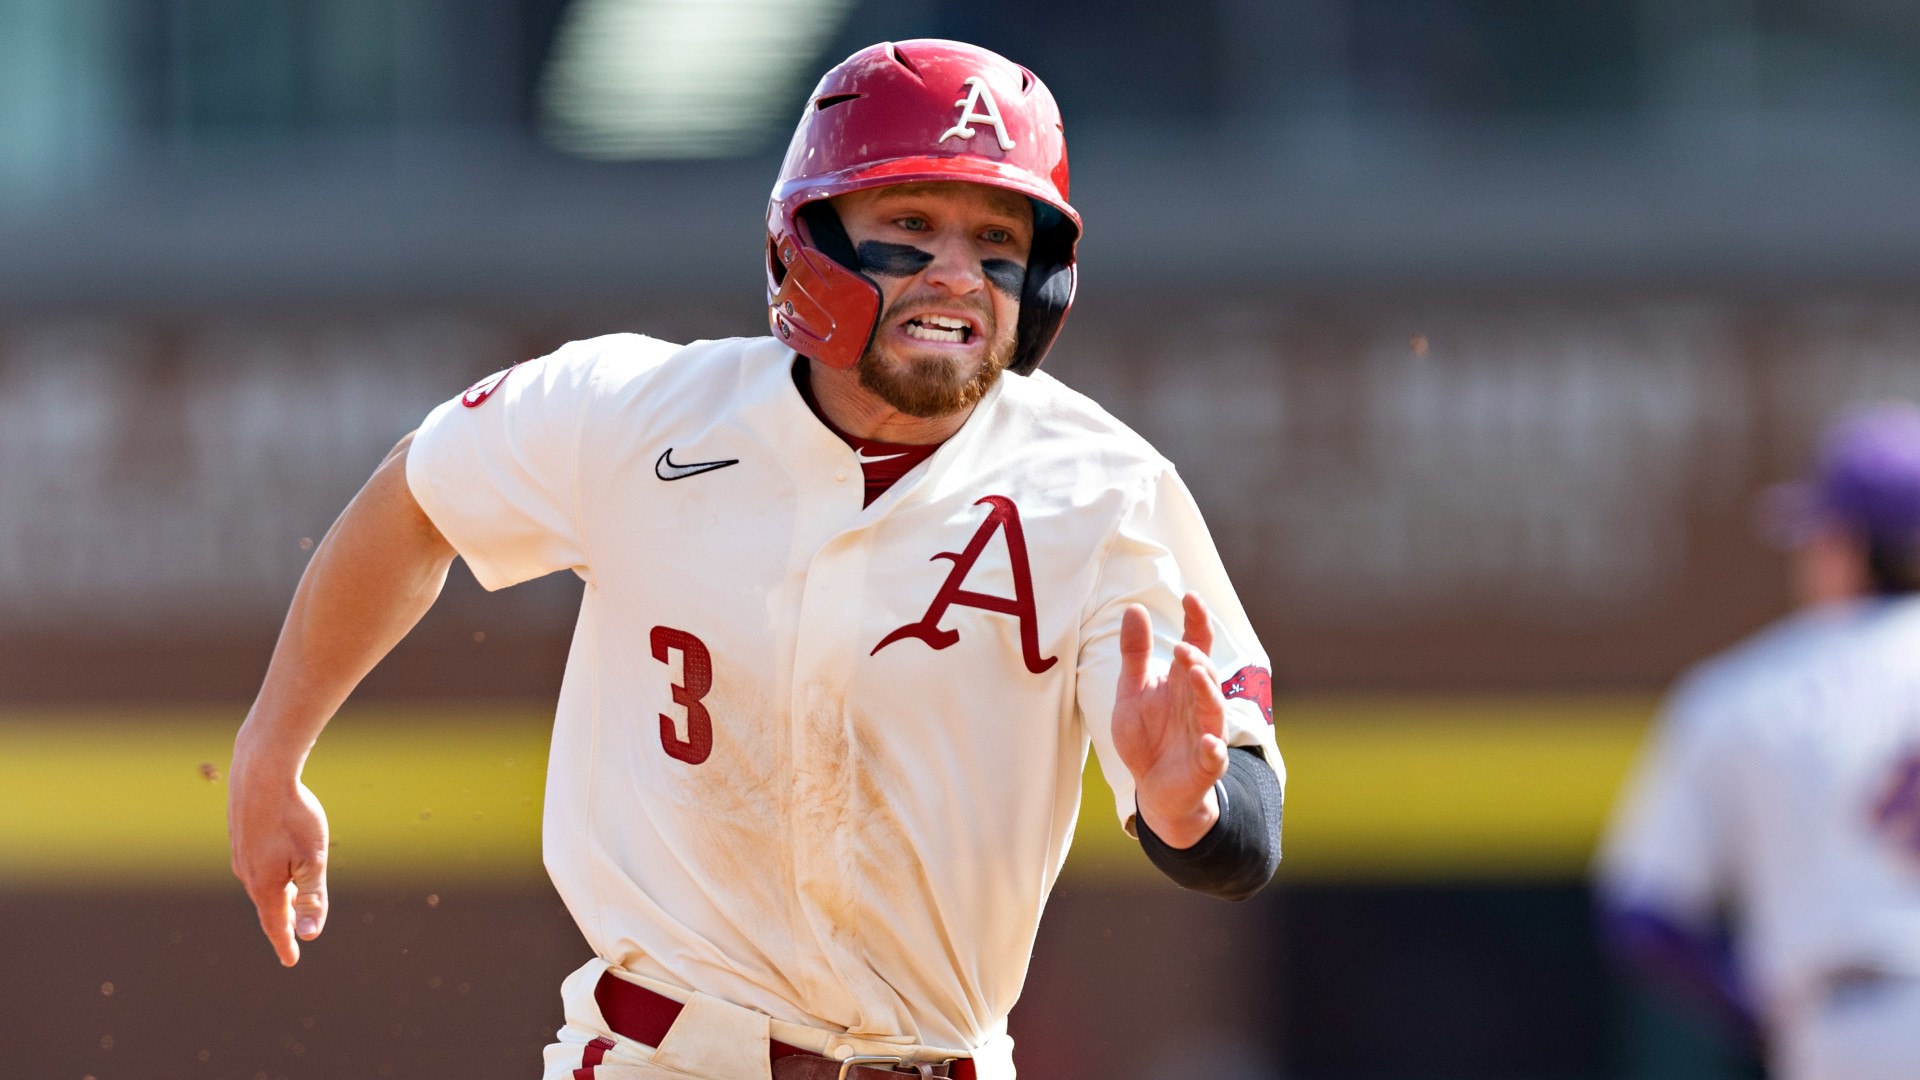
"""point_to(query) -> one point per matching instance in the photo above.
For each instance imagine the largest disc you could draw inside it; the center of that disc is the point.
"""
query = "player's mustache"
(905, 260)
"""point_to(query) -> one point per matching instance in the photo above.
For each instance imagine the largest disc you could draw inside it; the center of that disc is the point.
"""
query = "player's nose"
(956, 266)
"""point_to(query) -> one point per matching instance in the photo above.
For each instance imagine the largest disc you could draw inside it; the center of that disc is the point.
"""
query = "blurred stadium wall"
(1475, 326)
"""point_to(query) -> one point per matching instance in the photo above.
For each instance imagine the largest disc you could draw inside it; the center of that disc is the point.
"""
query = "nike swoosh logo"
(665, 469)
(861, 457)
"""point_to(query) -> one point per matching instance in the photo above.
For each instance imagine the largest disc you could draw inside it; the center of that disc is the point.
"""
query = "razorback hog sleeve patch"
(1255, 684)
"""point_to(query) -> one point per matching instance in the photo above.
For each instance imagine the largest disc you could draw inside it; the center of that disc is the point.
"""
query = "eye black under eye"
(892, 260)
(1006, 275)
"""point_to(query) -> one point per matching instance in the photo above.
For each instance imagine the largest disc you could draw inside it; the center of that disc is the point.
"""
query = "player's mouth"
(941, 329)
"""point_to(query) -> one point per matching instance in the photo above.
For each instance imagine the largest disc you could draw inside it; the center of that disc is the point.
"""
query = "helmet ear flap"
(776, 270)
(821, 304)
(1049, 288)
(823, 231)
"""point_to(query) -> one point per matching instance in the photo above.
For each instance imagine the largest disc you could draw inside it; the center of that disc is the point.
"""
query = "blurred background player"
(1765, 862)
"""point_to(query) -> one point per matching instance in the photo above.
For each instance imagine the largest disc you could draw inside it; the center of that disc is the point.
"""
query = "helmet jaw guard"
(821, 306)
(903, 113)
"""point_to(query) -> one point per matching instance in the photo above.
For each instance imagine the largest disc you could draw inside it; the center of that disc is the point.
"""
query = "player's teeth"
(924, 332)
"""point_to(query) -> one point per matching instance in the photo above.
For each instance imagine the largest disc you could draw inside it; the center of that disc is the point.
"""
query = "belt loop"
(716, 1039)
(594, 1053)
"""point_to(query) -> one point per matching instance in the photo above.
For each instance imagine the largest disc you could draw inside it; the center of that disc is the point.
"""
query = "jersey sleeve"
(1667, 847)
(497, 468)
(1160, 552)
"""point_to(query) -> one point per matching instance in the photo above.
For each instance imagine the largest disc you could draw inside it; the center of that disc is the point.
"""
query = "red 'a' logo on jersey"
(1001, 515)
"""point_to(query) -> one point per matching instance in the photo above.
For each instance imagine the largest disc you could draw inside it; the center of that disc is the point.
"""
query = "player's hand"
(1171, 731)
(279, 836)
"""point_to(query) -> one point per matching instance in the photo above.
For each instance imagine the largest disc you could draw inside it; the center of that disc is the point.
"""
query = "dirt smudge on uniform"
(824, 809)
(886, 852)
(826, 802)
(736, 811)
(855, 809)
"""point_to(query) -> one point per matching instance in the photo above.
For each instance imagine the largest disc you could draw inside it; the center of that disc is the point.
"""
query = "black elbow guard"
(1242, 850)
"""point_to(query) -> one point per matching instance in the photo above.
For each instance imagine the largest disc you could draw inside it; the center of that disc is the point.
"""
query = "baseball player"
(1782, 790)
(859, 595)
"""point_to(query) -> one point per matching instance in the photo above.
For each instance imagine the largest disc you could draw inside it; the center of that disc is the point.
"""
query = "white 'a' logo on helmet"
(978, 95)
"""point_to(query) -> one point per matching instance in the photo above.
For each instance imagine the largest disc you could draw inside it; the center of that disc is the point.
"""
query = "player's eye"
(912, 224)
(997, 236)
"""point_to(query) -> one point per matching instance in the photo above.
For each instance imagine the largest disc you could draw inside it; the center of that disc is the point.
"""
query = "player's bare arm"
(1170, 730)
(372, 577)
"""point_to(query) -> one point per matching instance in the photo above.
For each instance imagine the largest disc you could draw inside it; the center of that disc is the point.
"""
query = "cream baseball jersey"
(820, 760)
(1784, 783)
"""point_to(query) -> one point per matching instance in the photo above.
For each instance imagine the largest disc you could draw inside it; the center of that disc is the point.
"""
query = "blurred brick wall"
(1487, 491)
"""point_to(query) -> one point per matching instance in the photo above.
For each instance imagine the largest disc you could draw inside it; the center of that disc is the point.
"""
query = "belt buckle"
(848, 1064)
(895, 1064)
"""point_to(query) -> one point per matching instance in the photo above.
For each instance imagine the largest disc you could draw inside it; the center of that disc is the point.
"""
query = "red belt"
(640, 1014)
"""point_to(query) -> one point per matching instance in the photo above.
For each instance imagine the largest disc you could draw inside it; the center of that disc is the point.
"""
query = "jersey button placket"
(824, 628)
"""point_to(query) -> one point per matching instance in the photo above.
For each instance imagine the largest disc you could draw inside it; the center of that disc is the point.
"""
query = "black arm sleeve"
(1242, 850)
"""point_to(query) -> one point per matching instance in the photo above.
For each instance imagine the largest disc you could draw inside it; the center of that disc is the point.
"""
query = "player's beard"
(929, 386)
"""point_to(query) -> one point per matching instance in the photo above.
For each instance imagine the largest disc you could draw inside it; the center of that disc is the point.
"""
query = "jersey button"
(840, 477)
(842, 1051)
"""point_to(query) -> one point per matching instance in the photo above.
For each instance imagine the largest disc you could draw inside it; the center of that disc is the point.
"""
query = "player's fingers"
(1188, 654)
(310, 897)
(1177, 676)
(1209, 704)
(1198, 630)
(1136, 647)
(275, 906)
(1184, 685)
(1213, 757)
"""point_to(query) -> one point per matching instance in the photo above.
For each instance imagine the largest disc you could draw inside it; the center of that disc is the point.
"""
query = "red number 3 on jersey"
(696, 678)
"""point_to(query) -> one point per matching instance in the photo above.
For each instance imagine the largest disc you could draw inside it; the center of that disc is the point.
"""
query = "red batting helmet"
(901, 112)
